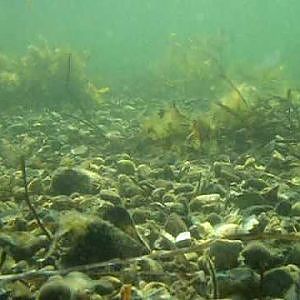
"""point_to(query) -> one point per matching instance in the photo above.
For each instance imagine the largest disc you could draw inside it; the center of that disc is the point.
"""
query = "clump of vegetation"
(166, 124)
(168, 128)
(239, 120)
(47, 77)
(240, 111)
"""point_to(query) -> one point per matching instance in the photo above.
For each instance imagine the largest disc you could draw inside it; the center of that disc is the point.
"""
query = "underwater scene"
(149, 149)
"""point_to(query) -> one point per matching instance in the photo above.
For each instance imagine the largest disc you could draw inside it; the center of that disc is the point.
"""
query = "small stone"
(175, 224)
(96, 297)
(296, 209)
(21, 224)
(36, 186)
(257, 255)
(53, 290)
(22, 244)
(116, 282)
(140, 216)
(294, 255)
(168, 197)
(214, 219)
(111, 196)
(129, 189)
(257, 209)
(183, 188)
(223, 230)
(19, 193)
(80, 150)
(255, 183)
(66, 181)
(176, 207)
(156, 290)
(96, 240)
(103, 287)
(158, 193)
(20, 291)
(183, 240)
(283, 208)
(17, 128)
(204, 229)
(198, 202)
(247, 199)
(225, 253)
(162, 183)
(61, 202)
(126, 166)
(143, 171)
(238, 280)
(277, 281)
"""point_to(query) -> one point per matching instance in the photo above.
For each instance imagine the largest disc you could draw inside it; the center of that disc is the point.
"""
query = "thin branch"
(28, 202)
(161, 254)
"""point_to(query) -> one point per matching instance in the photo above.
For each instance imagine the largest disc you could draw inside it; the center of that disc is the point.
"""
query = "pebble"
(183, 188)
(242, 280)
(257, 255)
(66, 181)
(126, 166)
(277, 281)
(295, 211)
(35, 186)
(111, 196)
(175, 224)
(143, 171)
(198, 202)
(283, 208)
(183, 240)
(225, 253)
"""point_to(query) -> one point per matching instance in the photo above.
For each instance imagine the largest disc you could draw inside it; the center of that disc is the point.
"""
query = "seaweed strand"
(28, 202)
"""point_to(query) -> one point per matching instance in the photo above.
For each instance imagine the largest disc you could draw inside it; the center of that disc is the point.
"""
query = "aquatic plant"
(47, 77)
(29, 203)
(167, 126)
(239, 119)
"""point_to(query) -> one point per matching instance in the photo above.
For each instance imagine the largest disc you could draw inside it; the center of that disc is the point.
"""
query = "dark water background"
(123, 37)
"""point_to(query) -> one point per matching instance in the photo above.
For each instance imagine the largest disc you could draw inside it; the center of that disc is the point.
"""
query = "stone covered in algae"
(89, 239)
(66, 181)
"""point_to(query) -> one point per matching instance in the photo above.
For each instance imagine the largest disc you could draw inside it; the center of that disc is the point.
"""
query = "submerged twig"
(3, 258)
(265, 236)
(212, 273)
(227, 109)
(161, 254)
(28, 202)
(228, 80)
(232, 85)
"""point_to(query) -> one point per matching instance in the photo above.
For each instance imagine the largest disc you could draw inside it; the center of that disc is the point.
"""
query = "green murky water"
(128, 126)
(124, 38)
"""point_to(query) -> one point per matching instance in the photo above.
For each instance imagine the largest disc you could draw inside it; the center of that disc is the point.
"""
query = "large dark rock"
(257, 256)
(225, 253)
(66, 181)
(91, 240)
(241, 280)
(276, 282)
